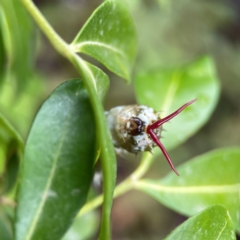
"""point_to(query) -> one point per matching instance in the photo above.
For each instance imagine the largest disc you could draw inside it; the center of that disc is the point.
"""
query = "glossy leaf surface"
(109, 36)
(213, 223)
(58, 164)
(166, 90)
(212, 178)
(101, 81)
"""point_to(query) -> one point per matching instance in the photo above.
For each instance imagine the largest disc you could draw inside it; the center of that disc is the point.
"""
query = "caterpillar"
(137, 128)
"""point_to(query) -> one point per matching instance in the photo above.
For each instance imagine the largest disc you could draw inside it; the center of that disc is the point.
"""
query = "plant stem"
(123, 187)
(107, 151)
(107, 154)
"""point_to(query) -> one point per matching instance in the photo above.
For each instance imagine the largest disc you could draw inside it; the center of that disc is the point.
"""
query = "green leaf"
(18, 40)
(5, 226)
(102, 81)
(12, 163)
(212, 223)
(58, 164)
(212, 178)
(2, 49)
(11, 146)
(168, 89)
(20, 108)
(7, 131)
(83, 227)
(109, 36)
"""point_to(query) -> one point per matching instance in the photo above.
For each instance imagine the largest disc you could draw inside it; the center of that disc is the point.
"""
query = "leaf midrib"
(192, 189)
(172, 89)
(100, 44)
(48, 184)
(120, 65)
(223, 228)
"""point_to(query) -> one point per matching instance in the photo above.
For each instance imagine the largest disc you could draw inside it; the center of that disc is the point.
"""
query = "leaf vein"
(46, 189)
(173, 86)
(193, 189)
(219, 235)
(100, 44)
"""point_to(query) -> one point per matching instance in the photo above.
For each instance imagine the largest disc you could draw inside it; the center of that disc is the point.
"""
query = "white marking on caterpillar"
(137, 128)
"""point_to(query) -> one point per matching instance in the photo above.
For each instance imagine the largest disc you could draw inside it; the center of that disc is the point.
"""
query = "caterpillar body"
(137, 128)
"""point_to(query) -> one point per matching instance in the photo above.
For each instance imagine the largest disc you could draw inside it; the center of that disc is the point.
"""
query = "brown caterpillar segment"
(137, 128)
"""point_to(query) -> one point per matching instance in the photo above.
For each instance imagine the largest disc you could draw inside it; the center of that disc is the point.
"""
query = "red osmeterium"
(160, 122)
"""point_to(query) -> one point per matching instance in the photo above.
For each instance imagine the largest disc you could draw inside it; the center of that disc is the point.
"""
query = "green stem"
(123, 187)
(107, 155)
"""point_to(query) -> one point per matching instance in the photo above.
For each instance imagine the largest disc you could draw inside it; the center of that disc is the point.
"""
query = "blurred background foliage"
(171, 33)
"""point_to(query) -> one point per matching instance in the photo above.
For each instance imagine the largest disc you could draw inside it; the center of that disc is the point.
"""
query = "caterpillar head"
(137, 128)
